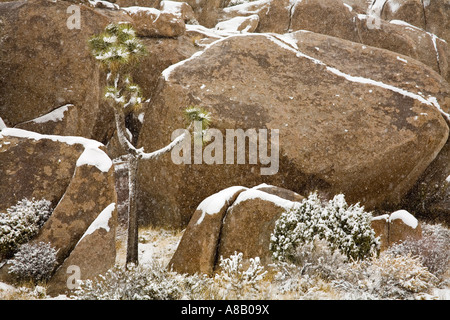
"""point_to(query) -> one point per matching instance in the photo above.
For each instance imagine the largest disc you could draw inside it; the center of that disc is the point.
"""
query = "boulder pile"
(334, 96)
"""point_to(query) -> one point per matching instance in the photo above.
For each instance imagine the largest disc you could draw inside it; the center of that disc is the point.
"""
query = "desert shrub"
(22, 222)
(237, 282)
(345, 228)
(432, 250)
(150, 282)
(291, 282)
(320, 273)
(316, 265)
(155, 282)
(33, 263)
(129, 283)
(395, 277)
(317, 258)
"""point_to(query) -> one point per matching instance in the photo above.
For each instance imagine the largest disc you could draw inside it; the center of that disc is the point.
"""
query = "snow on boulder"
(92, 154)
(432, 16)
(366, 26)
(396, 227)
(197, 249)
(274, 15)
(406, 217)
(234, 219)
(207, 11)
(215, 203)
(151, 22)
(239, 24)
(63, 120)
(180, 9)
(249, 223)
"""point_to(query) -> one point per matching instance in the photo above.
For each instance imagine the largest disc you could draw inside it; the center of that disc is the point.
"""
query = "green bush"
(22, 222)
(345, 228)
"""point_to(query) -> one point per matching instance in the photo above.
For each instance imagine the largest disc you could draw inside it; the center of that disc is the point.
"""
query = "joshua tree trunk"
(133, 157)
(132, 243)
(133, 161)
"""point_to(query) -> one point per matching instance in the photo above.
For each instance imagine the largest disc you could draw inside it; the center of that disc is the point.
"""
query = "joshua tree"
(118, 49)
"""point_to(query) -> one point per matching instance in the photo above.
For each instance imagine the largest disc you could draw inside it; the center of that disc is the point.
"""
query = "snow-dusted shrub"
(149, 282)
(395, 277)
(130, 283)
(345, 227)
(294, 282)
(21, 222)
(317, 258)
(33, 262)
(432, 250)
(237, 282)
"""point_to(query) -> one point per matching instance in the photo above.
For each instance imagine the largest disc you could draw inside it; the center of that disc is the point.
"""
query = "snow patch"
(394, 6)
(257, 194)
(405, 216)
(384, 217)
(376, 8)
(141, 117)
(233, 24)
(6, 287)
(262, 185)
(166, 73)
(348, 7)
(173, 7)
(402, 60)
(101, 221)
(94, 157)
(92, 154)
(215, 202)
(246, 8)
(105, 4)
(137, 9)
(2, 125)
(53, 116)
(286, 42)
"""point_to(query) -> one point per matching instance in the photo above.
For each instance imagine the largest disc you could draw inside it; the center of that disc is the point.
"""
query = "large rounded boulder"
(348, 118)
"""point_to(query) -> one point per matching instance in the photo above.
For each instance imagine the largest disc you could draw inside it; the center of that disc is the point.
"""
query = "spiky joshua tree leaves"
(118, 49)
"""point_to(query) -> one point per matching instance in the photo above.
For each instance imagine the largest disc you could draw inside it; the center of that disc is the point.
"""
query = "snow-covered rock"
(77, 177)
(180, 9)
(197, 249)
(239, 24)
(432, 16)
(395, 227)
(93, 254)
(369, 27)
(151, 22)
(234, 219)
